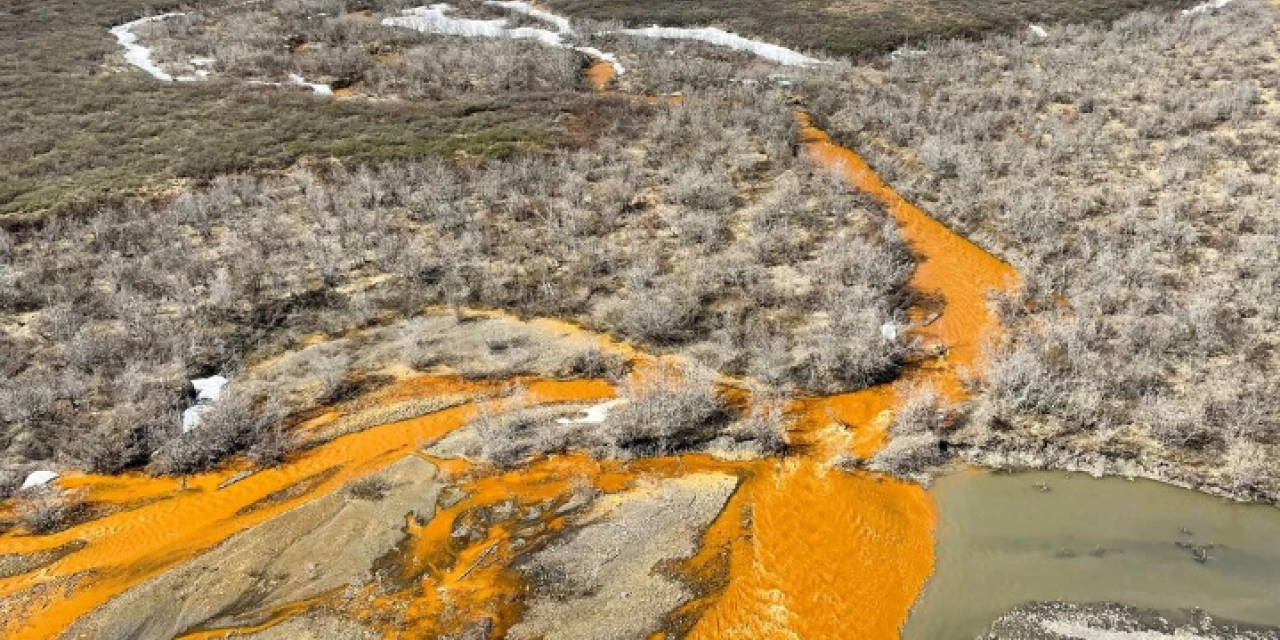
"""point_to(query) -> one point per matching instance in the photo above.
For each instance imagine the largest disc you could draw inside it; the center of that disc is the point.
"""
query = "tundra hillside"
(1129, 172)
(693, 229)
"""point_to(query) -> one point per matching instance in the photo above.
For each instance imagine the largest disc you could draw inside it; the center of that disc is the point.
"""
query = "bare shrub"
(669, 408)
(915, 445)
(125, 438)
(370, 489)
(593, 362)
(234, 423)
(47, 510)
(765, 423)
(10, 480)
(1251, 468)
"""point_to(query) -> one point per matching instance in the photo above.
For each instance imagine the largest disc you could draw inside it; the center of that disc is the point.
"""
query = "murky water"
(1008, 539)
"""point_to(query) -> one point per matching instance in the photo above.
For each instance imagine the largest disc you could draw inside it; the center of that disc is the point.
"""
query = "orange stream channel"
(808, 551)
(123, 549)
(828, 554)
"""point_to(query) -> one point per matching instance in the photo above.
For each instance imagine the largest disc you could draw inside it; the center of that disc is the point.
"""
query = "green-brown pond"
(1006, 539)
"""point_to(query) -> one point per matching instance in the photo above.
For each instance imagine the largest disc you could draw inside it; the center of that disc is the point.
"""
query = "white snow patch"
(601, 55)
(908, 53)
(1039, 31)
(595, 414)
(191, 417)
(208, 390)
(541, 35)
(320, 89)
(38, 478)
(1206, 7)
(203, 62)
(433, 20)
(561, 23)
(889, 331)
(136, 54)
(722, 38)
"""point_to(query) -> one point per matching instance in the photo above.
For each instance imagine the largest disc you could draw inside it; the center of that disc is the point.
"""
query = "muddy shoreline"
(1013, 458)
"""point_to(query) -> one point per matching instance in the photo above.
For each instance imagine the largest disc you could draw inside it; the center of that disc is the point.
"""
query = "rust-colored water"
(949, 265)
(126, 548)
(827, 554)
(803, 549)
(823, 554)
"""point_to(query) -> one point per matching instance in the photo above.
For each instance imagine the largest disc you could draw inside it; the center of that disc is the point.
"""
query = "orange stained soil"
(448, 581)
(600, 74)
(123, 549)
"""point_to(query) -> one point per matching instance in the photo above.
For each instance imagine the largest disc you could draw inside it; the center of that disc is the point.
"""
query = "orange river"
(806, 550)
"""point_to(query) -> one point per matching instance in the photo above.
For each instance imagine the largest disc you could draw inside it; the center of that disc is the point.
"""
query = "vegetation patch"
(848, 27)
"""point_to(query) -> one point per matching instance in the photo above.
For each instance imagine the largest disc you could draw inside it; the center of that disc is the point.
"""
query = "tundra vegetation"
(81, 128)
(857, 28)
(1137, 195)
(1139, 209)
(694, 229)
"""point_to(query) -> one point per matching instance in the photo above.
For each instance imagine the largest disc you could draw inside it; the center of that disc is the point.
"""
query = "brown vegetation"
(1136, 194)
(855, 28)
(690, 229)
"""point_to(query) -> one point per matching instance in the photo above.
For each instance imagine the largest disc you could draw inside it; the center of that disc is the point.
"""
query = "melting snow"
(889, 331)
(908, 53)
(1039, 31)
(136, 54)
(433, 20)
(321, 89)
(721, 38)
(561, 23)
(1205, 7)
(595, 414)
(38, 479)
(208, 390)
(607, 57)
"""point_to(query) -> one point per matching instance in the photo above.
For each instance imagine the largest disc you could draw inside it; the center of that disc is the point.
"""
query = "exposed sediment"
(287, 559)
(1066, 621)
(604, 581)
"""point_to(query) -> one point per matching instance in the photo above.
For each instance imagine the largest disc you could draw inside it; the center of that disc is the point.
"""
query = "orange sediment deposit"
(600, 74)
(845, 424)
(278, 616)
(123, 549)
(458, 567)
